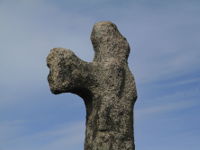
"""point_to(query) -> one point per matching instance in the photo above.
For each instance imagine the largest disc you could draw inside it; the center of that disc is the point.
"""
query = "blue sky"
(165, 50)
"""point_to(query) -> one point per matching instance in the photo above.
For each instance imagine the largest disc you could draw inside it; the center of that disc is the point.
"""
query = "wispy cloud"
(168, 98)
(163, 40)
(9, 130)
(150, 111)
(68, 136)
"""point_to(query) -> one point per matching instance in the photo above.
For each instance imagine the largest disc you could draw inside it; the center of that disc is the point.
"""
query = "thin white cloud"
(171, 101)
(9, 130)
(162, 108)
(184, 82)
(66, 136)
(163, 42)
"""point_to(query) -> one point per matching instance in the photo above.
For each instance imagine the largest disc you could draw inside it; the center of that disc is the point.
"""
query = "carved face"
(104, 30)
(108, 42)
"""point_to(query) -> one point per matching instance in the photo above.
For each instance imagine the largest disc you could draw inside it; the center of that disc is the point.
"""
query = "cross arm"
(68, 73)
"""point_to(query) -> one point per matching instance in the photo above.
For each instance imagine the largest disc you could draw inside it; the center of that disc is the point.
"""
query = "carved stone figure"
(106, 86)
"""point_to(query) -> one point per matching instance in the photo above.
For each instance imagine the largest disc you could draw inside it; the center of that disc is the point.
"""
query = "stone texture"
(106, 86)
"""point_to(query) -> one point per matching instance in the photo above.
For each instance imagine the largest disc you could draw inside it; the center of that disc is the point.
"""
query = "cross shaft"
(106, 86)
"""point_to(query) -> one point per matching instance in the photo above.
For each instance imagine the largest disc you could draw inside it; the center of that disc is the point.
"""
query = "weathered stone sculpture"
(106, 86)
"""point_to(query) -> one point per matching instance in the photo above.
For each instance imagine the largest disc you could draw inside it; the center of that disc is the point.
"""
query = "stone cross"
(106, 86)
